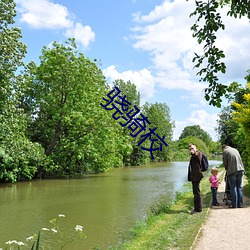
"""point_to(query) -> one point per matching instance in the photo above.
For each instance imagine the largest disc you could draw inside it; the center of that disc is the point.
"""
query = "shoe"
(194, 212)
(217, 204)
(240, 206)
(231, 207)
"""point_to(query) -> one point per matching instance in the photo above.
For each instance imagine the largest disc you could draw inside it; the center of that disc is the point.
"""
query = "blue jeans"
(214, 196)
(235, 182)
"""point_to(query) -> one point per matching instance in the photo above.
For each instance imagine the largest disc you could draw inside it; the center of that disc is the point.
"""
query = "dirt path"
(225, 228)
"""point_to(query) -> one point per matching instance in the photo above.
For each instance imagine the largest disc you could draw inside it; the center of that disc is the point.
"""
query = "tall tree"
(65, 93)
(130, 93)
(12, 51)
(19, 158)
(229, 130)
(184, 142)
(159, 116)
(207, 24)
(241, 115)
(129, 89)
(196, 131)
(227, 127)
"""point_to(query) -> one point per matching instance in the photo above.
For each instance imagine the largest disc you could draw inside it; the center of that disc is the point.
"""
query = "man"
(235, 169)
(195, 175)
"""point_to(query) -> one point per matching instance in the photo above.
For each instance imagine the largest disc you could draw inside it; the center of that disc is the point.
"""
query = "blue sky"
(148, 42)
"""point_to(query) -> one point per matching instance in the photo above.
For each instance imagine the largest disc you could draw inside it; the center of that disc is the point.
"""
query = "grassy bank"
(170, 227)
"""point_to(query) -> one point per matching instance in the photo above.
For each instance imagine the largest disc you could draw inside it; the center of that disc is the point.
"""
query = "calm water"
(104, 204)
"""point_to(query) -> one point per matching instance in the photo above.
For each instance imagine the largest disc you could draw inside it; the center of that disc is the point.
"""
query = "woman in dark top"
(195, 175)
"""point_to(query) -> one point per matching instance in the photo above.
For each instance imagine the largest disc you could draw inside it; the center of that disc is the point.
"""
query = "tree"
(230, 130)
(159, 116)
(215, 148)
(20, 158)
(129, 91)
(65, 92)
(12, 50)
(227, 127)
(196, 131)
(184, 142)
(208, 23)
(242, 116)
(233, 126)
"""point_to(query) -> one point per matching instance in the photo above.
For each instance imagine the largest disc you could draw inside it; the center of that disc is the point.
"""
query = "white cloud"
(83, 34)
(44, 14)
(159, 12)
(234, 41)
(165, 33)
(143, 80)
(167, 36)
(198, 117)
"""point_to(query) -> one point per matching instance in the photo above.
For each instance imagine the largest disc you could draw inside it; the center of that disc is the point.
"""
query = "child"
(214, 185)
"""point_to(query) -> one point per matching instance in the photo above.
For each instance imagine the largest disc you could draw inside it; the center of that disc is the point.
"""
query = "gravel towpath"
(225, 228)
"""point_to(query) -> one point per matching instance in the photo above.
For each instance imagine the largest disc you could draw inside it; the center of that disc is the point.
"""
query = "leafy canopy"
(196, 131)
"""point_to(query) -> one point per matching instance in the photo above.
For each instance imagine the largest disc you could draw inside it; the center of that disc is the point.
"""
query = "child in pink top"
(214, 186)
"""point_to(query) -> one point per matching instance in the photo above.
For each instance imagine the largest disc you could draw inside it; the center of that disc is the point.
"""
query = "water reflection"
(105, 204)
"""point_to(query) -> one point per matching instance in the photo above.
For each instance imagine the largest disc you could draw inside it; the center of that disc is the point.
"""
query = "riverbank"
(171, 227)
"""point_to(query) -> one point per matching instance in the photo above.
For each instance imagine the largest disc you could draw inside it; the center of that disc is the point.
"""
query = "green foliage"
(196, 131)
(210, 18)
(12, 50)
(233, 123)
(132, 153)
(51, 120)
(205, 28)
(66, 118)
(237, 8)
(215, 147)
(181, 154)
(129, 89)
(227, 127)
(241, 116)
(159, 116)
(201, 146)
(231, 131)
(20, 158)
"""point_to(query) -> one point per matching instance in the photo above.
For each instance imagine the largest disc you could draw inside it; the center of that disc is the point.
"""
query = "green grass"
(170, 226)
(246, 188)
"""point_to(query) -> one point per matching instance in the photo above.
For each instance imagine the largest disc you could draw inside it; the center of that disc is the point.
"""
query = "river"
(105, 204)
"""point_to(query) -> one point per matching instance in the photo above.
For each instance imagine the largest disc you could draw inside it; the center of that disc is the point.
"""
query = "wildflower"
(61, 215)
(78, 228)
(20, 243)
(45, 229)
(54, 230)
(10, 242)
(29, 238)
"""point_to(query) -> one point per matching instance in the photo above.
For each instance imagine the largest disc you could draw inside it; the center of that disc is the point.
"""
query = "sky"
(147, 42)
